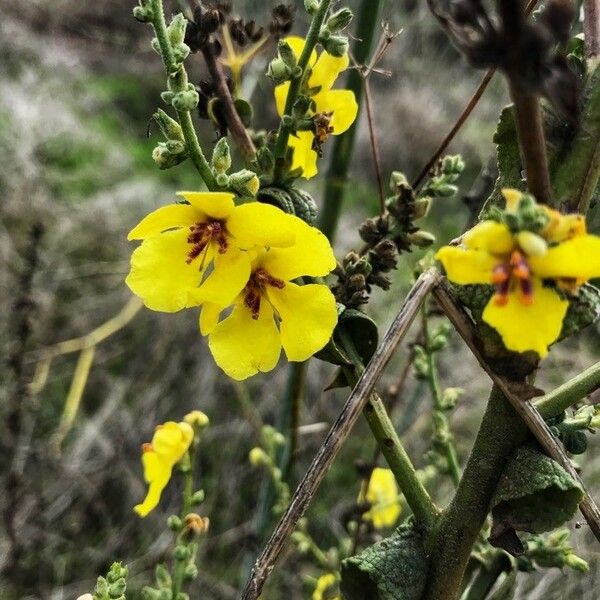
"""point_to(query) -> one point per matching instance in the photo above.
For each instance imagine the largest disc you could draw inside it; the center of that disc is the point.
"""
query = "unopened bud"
(312, 6)
(162, 576)
(336, 45)
(531, 243)
(143, 14)
(165, 158)
(169, 127)
(185, 101)
(198, 497)
(287, 54)
(421, 238)
(245, 183)
(339, 20)
(278, 71)
(191, 572)
(176, 29)
(258, 457)
(221, 161)
(421, 208)
(174, 523)
(197, 419)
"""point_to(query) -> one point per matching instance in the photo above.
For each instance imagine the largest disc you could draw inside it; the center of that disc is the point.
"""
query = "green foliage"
(393, 569)
(114, 585)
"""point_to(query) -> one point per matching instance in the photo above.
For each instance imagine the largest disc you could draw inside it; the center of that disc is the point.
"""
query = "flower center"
(201, 234)
(516, 270)
(256, 286)
(322, 130)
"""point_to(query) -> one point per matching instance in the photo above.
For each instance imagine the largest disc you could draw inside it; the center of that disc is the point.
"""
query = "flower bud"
(312, 6)
(278, 71)
(245, 183)
(143, 14)
(198, 497)
(336, 45)
(221, 162)
(222, 180)
(339, 20)
(287, 54)
(531, 243)
(576, 563)
(421, 238)
(191, 572)
(117, 589)
(197, 419)
(450, 396)
(196, 525)
(165, 159)
(258, 457)
(421, 208)
(176, 29)
(169, 127)
(186, 101)
(149, 593)
(162, 576)
(181, 553)
(174, 523)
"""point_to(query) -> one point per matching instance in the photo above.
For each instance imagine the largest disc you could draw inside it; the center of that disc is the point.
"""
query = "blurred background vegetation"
(78, 86)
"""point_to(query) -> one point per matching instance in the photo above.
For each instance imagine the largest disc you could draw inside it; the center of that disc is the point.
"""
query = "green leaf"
(244, 110)
(393, 569)
(535, 494)
(584, 309)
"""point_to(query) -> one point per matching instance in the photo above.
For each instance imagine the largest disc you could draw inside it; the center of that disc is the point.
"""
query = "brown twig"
(525, 409)
(337, 435)
(238, 131)
(591, 27)
(374, 144)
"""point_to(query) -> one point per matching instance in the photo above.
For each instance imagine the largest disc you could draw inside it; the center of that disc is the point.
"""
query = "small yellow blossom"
(335, 110)
(526, 312)
(197, 419)
(382, 494)
(270, 311)
(169, 444)
(326, 586)
(171, 269)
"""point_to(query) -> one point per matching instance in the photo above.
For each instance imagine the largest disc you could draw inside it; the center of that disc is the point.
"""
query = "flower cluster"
(535, 258)
(330, 112)
(211, 253)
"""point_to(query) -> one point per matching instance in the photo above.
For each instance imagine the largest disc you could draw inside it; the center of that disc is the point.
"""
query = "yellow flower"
(271, 311)
(527, 314)
(169, 444)
(323, 589)
(337, 108)
(382, 494)
(181, 242)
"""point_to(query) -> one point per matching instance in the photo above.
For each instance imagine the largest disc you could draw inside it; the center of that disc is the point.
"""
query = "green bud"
(576, 563)
(287, 54)
(165, 158)
(301, 107)
(221, 157)
(143, 13)
(176, 29)
(265, 160)
(258, 457)
(165, 595)
(421, 208)
(324, 35)
(438, 343)
(222, 180)
(174, 523)
(198, 497)
(450, 396)
(167, 96)
(149, 593)
(278, 71)
(245, 183)
(421, 238)
(185, 101)
(576, 442)
(181, 553)
(336, 45)
(181, 52)
(169, 127)
(162, 576)
(312, 6)
(117, 588)
(191, 572)
(339, 20)
(445, 190)
(183, 596)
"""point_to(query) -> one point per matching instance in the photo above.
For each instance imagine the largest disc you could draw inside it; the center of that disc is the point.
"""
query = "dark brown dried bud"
(380, 280)
(238, 31)
(282, 20)
(374, 230)
(384, 256)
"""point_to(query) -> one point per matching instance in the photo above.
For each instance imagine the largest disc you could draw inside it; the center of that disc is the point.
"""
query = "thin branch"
(337, 435)
(374, 144)
(591, 27)
(526, 410)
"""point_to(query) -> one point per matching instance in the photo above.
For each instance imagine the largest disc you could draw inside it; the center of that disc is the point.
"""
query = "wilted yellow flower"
(382, 494)
(181, 242)
(169, 444)
(270, 311)
(326, 586)
(527, 313)
(335, 110)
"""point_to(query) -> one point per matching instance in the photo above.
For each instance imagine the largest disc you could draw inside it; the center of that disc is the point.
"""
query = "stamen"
(526, 296)
(255, 288)
(501, 296)
(147, 447)
(519, 265)
(201, 234)
(500, 274)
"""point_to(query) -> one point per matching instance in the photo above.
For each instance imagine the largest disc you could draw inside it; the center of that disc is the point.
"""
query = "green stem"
(283, 135)
(500, 433)
(343, 145)
(178, 82)
(391, 447)
(487, 576)
(440, 424)
(569, 393)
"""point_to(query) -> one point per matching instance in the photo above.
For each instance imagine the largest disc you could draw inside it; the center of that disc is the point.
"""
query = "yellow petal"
(209, 317)
(243, 346)
(490, 236)
(383, 496)
(323, 589)
(513, 198)
(281, 92)
(310, 255)
(257, 224)
(159, 274)
(528, 326)
(327, 69)
(577, 258)
(157, 474)
(166, 217)
(304, 156)
(563, 227)
(172, 440)
(343, 105)
(217, 205)
(466, 266)
(308, 316)
(297, 44)
(230, 274)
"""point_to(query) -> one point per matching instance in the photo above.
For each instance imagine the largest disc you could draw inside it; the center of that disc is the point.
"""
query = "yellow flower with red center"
(383, 496)
(169, 444)
(334, 110)
(189, 250)
(526, 311)
(271, 312)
